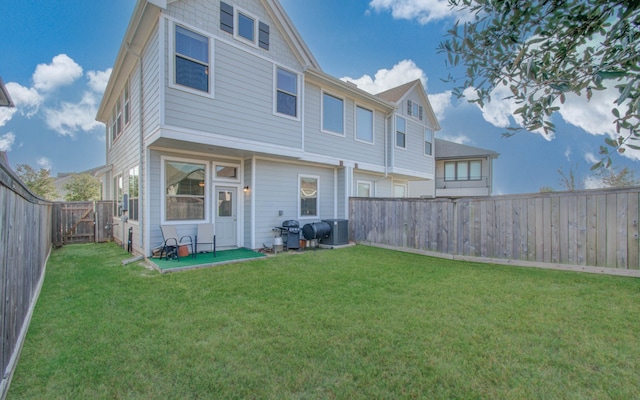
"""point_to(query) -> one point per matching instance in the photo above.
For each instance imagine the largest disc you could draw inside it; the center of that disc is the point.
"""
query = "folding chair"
(206, 235)
(171, 243)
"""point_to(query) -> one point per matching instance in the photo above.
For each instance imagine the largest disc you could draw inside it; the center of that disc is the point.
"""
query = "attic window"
(414, 109)
(244, 26)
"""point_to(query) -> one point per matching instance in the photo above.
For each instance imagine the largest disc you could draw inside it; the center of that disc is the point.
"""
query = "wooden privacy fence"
(82, 222)
(594, 228)
(25, 242)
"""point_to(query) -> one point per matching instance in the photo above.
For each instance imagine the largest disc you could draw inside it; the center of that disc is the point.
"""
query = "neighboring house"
(461, 171)
(216, 111)
(64, 178)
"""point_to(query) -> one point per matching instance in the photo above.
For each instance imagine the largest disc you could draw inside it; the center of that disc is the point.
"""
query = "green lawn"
(354, 323)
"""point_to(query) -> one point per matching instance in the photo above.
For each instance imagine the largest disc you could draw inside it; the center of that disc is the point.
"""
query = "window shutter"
(420, 113)
(409, 107)
(263, 36)
(226, 17)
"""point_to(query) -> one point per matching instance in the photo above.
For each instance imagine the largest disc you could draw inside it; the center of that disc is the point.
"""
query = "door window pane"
(225, 204)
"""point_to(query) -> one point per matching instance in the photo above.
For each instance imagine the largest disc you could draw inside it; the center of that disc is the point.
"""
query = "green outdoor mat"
(207, 258)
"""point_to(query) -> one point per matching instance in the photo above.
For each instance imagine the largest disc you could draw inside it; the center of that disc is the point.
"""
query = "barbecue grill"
(290, 232)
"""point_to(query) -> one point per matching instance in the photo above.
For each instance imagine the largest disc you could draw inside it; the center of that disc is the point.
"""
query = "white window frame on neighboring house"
(402, 186)
(206, 64)
(428, 142)
(301, 197)
(222, 178)
(333, 130)
(282, 89)
(362, 128)
(462, 170)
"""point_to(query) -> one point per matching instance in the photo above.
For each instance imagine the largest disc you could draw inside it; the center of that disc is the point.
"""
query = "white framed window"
(191, 65)
(226, 172)
(332, 114)
(134, 193)
(245, 26)
(399, 190)
(183, 188)
(428, 142)
(364, 189)
(463, 170)
(414, 109)
(308, 192)
(118, 190)
(401, 132)
(127, 104)
(364, 124)
(286, 101)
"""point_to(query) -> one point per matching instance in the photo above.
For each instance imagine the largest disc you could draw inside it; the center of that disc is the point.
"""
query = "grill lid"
(290, 223)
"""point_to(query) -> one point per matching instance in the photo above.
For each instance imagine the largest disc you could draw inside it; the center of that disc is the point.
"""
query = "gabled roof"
(445, 149)
(397, 94)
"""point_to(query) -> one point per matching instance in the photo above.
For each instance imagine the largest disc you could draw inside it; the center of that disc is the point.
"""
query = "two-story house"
(216, 111)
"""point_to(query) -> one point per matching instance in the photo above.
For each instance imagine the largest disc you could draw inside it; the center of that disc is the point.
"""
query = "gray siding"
(343, 147)
(412, 157)
(151, 83)
(277, 189)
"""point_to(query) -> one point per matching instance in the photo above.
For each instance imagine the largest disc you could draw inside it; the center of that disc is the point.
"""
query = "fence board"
(597, 228)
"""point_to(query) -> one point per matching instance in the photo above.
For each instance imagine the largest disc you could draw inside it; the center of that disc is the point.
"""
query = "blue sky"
(57, 55)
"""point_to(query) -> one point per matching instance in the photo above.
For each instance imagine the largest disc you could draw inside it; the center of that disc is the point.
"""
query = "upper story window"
(118, 190)
(428, 140)
(120, 116)
(127, 104)
(192, 60)
(401, 132)
(332, 114)
(463, 170)
(243, 26)
(364, 124)
(246, 27)
(134, 193)
(184, 193)
(286, 93)
(414, 109)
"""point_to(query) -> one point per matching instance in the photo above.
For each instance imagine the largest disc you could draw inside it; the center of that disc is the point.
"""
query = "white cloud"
(567, 153)
(27, 100)
(423, 11)
(61, 72)
(44, 163)
(401, 73)
(592, 116)
(98, 80)
(6, 113)
(460, 139)
(590, 158)
(440, 102)
(72, 117)
(6, 141)
(593, 182)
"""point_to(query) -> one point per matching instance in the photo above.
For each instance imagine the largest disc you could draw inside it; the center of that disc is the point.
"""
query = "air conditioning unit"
(339, 233)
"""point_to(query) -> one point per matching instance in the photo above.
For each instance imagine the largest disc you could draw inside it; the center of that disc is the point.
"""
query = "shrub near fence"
(25, 243)
(591, 228)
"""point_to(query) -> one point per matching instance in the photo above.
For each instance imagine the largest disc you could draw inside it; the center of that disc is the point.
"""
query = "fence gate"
(75, 222)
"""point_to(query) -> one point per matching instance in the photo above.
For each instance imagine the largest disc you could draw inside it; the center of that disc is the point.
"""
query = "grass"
(355, 323)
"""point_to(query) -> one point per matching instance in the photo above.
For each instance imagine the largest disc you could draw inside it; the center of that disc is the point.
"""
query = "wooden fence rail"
(594, 228)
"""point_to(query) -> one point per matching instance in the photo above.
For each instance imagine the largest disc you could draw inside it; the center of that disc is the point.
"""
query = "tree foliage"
(611, 177)
(39, 182)
(82, 187)
(544, 49)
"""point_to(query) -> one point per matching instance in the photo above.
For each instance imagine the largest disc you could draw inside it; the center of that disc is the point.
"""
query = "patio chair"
(171, 243)
(206, 235)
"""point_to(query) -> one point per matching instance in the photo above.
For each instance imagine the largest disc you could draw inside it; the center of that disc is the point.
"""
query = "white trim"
(373, 125)
(147, 203)
(207, 200)
(236, 26)
(344, 114)
(162, 42)
(171, 60)
(214, 172)
(253, 202)
(335, 193)
(317, 214)
(299, 83)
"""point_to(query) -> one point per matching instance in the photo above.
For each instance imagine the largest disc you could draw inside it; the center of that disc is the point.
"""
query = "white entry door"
(226, 217)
